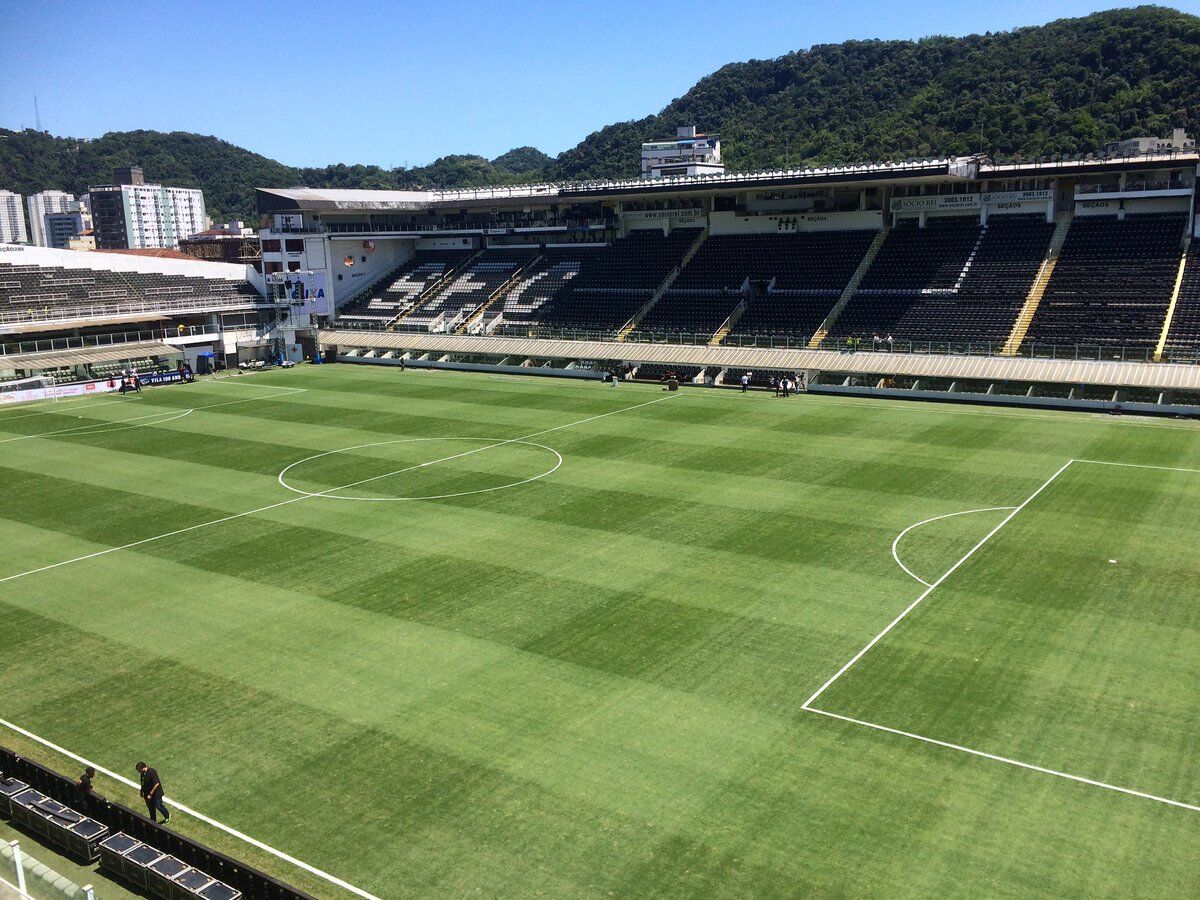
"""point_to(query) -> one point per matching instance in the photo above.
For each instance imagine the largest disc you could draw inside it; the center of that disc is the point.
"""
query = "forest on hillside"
(1066, 87)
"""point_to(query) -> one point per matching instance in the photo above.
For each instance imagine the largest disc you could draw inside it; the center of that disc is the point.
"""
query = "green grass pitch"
(581, 669)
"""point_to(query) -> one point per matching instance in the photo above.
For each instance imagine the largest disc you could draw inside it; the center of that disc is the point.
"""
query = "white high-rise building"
(137, 216)
(187, 212)
(12, 219)
(42, 204)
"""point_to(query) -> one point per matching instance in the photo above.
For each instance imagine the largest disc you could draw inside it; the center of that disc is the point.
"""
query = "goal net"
(22, 390)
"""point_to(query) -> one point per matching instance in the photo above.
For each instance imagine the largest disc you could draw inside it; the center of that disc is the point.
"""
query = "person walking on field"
(745, 382)
(152, 793)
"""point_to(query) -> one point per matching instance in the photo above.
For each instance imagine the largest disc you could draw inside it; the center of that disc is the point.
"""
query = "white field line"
(167, 415)
(166, 412)
(929, 590)
(236, 379)
(900, 536)
(980, 753)
(233, 832)
(1094, 418)
(1105, 462)
(288, 502)
(13, 890)
(283, 481)
(1007, 760)
(57, 408)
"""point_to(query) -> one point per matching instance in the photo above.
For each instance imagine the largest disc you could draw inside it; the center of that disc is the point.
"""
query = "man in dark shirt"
(83, 786)
(152, 793)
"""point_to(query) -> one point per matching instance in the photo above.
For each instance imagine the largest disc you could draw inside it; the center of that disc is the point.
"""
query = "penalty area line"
(900, 536)
(1006, 760)
(207, 820)
(931, 588)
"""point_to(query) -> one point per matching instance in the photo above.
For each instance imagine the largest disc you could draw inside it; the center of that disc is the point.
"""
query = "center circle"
(486, 445)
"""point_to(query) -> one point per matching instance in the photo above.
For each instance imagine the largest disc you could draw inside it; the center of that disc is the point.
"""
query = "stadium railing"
(51, 313)
(81, 342)
(250, 881)
(860, 344)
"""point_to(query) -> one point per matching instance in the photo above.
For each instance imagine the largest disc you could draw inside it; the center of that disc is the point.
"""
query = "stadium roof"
(318, 199)
(152, 252)
(88, 355)
(933, 169)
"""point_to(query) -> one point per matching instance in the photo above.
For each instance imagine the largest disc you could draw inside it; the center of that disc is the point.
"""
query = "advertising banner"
(935, 202)
(306, 291)
(60, 391)
(1016, 196)
(173, 376)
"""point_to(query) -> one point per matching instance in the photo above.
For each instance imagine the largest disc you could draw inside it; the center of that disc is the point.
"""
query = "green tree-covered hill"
(1065, 87)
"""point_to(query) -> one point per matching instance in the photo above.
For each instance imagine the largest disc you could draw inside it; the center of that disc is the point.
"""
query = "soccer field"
(438, 633)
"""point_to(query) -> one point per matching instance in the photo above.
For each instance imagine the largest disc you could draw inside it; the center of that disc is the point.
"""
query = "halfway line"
(251, 512)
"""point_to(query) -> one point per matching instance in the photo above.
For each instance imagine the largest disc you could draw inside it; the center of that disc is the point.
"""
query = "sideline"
(233, 832)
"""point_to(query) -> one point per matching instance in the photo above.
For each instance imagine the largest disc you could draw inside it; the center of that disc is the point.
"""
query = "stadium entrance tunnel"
(421, 469)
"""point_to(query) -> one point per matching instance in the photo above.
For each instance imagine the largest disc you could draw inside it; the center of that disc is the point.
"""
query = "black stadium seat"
(615, 283)
(32, 292)
(1112, 284)
(952, 281)
(397, 291)
(1184, 336)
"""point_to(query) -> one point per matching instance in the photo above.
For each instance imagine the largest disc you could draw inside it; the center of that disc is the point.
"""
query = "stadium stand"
(1112, 284)
(544, 280)
(34, 292)
(655, 372)
(395, 293)
(956, 283)
(470, 288)
(792, 280)
(698, 312)
(617, 282)
(1184, 336)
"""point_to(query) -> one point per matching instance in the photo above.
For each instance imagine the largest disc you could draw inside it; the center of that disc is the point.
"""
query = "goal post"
(24, 390)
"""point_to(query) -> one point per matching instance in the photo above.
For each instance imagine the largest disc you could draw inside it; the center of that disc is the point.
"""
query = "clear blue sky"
(393, 83)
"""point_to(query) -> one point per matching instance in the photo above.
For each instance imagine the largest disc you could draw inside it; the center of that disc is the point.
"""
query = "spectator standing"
(891, 343)
(83, 784)
(152, 793)
(745, 381)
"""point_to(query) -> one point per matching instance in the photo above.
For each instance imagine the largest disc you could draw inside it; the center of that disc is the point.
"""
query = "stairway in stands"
(727, 326)
(1175, 292)
(437, 287)
(855, 280)
(636, 318)
(1038, 289)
